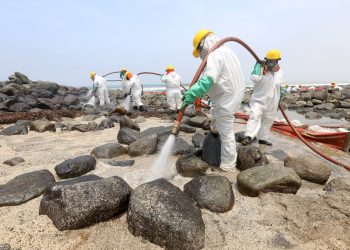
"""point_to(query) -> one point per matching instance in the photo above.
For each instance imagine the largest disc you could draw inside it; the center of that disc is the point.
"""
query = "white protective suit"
(124, 85)
(135, 88)
(172, 82)
(100, 83)
(264, 104)
(226, 94)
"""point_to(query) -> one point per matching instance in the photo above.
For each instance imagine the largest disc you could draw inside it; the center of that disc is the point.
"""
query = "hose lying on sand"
(176, 127)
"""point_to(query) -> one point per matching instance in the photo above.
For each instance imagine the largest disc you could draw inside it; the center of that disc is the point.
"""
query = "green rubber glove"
(197, 90)
(257, 69)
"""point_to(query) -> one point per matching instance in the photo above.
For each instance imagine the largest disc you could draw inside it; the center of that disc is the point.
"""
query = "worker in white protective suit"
(264, 101)
(172, 82)
(124, 81)
(223, 80)
(134, 88)
(100, 88)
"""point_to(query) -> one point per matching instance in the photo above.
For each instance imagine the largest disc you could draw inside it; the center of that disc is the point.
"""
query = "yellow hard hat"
(273, 54)
(123, 69)
(169, 68)
(197, 40)
(92, 75)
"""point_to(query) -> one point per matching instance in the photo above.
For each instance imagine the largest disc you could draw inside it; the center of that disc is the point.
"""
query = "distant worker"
(100, 88)
(264, 102)
(172, 82)
(134, 88)
(333, 88)
(223, 80)
(124, 81)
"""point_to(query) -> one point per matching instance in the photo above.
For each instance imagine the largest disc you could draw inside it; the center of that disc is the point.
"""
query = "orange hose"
(200, 69)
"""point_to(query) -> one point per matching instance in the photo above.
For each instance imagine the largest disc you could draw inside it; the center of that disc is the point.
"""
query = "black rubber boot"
(265, 142)
(141, 108)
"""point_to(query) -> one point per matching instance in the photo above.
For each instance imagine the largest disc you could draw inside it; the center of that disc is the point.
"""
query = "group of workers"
(222, 79)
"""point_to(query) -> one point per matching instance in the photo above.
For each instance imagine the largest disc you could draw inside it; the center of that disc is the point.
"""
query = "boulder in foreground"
(309, 168)
(161, 213)
(83, 204)
(269, 178)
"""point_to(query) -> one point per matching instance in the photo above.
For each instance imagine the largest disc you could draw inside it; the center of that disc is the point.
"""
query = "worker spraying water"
(223, 81)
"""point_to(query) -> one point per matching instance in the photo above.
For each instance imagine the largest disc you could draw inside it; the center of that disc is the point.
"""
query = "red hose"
(115, 72)
(200, 69)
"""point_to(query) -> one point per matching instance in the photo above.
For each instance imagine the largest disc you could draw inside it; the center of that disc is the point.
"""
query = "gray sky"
(63, 41)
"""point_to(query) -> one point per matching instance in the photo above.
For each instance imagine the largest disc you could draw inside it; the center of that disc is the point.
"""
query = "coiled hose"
(177, 123)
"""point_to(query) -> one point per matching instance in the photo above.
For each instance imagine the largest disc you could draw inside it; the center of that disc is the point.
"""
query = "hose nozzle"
(176, 128)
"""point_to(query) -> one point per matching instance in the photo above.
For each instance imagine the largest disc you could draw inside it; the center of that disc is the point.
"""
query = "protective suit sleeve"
(257, 69)
(198, 89)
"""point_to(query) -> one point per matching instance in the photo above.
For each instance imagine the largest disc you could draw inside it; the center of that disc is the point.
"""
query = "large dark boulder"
(71, 100)
(190, 165)
(19, 107)
(49, 86)
(14, 130)
(211, 152)
(269, 178)
(198, 140)
(143, 146)
(109, 150)
(22, 77)
(126, 122)
(309, 168)
(83, 204)
(249, 157)
(161, 213)
(40, 93)
(45, 103)
(128, 135)
(75, 167)
(211, 192)
(25, 187)
(182, 147)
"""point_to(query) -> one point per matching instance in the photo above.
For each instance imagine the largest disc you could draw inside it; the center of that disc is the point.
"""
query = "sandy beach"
(310, 219)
